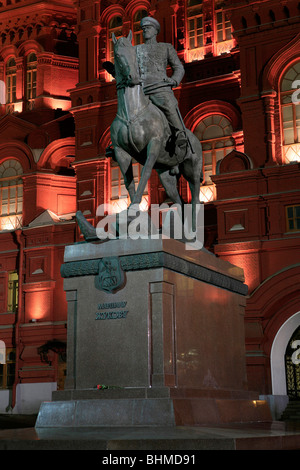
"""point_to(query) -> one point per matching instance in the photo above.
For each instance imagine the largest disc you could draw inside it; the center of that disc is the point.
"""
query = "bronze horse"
(141, 131)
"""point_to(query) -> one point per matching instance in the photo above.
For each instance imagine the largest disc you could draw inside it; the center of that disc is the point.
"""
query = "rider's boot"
(181, 144)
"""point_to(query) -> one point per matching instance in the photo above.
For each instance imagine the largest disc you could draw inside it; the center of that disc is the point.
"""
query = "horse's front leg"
(153, 150)
(125, 163)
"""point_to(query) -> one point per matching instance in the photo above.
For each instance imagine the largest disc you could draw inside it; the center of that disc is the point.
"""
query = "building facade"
(39, 63)
(239, 96)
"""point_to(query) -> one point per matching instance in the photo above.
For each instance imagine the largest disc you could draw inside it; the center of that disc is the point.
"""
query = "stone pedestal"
(162, 327)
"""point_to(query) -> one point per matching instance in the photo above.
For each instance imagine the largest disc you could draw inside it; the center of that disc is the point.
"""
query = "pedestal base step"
(214, 411)
(107, 412)
(151, 412)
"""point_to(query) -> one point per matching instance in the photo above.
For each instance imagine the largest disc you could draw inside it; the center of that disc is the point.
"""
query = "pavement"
(276, 435)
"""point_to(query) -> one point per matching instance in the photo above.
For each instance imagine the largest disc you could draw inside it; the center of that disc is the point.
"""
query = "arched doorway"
(292, 366)
(278, 353)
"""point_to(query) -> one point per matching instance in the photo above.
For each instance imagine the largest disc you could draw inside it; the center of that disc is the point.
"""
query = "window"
(293, 218)
(224, 41)
(137, 30)
(223, 27)
(215, 36)
(292, 369)
(214, 133)
(114, 26)
(290, 114)
(11, 195)
(31, 72)
(194, 24)
(13, 289)
(2, 352)
(7, 370)
(11, 83)
(119, 197)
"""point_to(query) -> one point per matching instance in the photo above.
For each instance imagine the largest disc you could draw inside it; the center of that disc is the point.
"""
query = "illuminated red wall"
(61, 146)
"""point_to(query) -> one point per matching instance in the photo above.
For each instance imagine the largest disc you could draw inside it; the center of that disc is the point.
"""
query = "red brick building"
(239, 96)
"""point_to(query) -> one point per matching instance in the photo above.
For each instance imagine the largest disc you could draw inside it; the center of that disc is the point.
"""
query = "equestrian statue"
(148, 126)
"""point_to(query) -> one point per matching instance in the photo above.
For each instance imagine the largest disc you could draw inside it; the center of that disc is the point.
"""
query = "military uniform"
(153, 60)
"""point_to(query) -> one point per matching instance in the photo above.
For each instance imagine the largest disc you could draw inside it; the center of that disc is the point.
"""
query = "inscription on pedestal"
(106, 310)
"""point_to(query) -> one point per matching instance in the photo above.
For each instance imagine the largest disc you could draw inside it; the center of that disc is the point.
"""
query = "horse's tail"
(197, 148)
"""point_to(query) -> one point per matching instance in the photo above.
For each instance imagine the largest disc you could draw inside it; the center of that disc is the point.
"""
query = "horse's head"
(126, 68)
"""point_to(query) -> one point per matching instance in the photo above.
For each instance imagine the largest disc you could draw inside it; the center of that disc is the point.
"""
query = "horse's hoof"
(134, 204)
(88, 231)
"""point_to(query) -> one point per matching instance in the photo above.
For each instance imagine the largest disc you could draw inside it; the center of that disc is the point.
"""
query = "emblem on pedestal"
(111, 275)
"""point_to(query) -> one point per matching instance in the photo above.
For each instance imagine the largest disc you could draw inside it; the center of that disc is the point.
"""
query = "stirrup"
(181, 138)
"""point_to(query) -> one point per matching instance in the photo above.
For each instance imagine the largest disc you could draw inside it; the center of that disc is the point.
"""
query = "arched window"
(214, 133)
(11, 195)
(292, 366)
(290, 114)
(114, 26)
(119, 197)
(195, 30)
(137, 30)
(31, 72)
(11, 84)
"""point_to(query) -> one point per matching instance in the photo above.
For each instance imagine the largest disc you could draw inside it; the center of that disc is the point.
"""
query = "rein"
(130, 122)
(121, 84)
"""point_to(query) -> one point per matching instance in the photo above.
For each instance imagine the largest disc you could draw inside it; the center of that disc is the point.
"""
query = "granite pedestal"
(160, 329)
